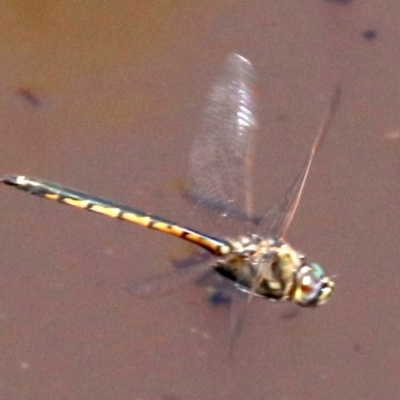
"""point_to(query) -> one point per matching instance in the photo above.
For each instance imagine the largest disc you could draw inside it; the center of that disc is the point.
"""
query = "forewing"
(221, 156)
(276, 221)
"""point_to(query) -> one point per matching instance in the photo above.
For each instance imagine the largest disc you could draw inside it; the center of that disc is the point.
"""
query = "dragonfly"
(260, 261)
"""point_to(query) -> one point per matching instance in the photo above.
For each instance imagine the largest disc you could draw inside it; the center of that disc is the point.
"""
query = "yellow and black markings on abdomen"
(99, 205)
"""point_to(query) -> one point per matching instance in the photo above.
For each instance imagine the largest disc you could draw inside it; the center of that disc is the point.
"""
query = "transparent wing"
(277, 220)
(238, 325)
(221, 156)
(171, 282)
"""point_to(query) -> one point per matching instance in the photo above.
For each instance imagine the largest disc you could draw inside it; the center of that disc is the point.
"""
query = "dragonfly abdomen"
(82, 200)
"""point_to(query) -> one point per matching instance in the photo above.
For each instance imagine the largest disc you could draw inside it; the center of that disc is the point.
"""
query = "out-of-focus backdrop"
(107, 97)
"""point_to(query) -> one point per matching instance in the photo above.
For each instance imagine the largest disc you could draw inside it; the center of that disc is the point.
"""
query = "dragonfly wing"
(221, 156)
(239, 321)
(276, 221)
(168, 283)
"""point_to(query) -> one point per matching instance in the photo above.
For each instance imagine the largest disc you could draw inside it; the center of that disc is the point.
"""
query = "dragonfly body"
(276, 263)
(261, 263)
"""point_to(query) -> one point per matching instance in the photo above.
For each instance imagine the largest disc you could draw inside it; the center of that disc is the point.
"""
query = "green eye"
(312, 286)
(317, 270)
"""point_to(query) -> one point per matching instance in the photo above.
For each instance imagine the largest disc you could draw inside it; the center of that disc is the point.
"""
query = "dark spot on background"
(29, 96)
(218, 297)
(370, 34)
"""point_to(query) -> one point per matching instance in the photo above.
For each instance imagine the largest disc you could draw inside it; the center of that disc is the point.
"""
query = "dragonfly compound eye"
(312, 287)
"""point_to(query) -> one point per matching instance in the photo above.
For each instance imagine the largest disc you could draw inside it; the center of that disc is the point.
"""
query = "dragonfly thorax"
(273, 268)
(265, 266)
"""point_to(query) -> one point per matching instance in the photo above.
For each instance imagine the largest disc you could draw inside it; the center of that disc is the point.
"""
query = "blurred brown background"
(107, 97)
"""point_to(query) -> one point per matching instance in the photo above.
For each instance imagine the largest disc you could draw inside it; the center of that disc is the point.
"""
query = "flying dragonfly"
(258, 260)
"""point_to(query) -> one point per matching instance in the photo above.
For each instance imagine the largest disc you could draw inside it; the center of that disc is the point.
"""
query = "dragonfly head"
(312, 286)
